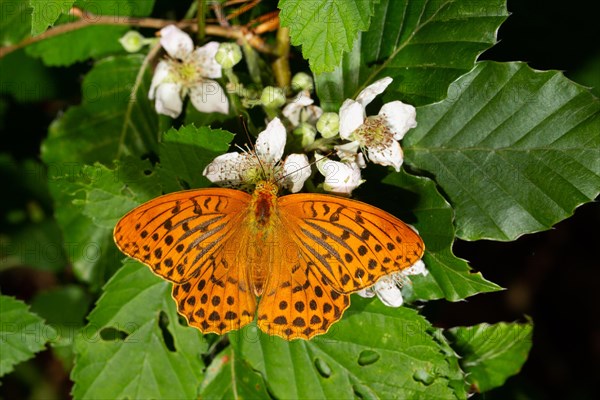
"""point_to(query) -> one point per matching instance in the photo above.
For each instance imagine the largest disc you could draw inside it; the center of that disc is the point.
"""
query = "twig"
(237, 33)
(201, 18)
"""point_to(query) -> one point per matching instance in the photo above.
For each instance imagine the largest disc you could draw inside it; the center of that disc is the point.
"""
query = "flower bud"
(307, 132)
(302, 81)
(329, 124)
(228, 55)
(272, 97)
(132, 41)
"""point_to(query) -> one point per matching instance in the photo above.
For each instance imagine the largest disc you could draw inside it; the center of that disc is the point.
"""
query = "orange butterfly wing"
(296, 302)
(352, 244)
(192, 238)
(315, 250)
(329, 247)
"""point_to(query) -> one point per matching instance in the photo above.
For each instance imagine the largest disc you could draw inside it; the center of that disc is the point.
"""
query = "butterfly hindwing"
(296, 302)
(352, 244)
(219, 298)
(177, 234)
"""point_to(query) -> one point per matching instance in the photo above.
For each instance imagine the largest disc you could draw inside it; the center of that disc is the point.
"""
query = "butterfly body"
(289, 261)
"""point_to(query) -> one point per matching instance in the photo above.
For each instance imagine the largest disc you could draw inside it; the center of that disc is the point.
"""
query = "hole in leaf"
(181, 320)
(323, 368)
(363, 392)
(424, 377)
(183, 184)
(163, 323)
(147, 172)
(367, 357)
(111, 334)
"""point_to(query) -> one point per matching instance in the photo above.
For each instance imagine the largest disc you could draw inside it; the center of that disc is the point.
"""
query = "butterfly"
(289, 262)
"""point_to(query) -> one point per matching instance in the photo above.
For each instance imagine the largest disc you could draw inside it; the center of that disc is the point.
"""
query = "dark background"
(550, 276)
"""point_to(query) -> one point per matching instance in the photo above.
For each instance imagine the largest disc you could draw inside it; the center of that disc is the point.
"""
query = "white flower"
(340, 177)
(387, 288)
(187, 71)
(244, 170)
(348, 152)
(301, 109)
(379, 134)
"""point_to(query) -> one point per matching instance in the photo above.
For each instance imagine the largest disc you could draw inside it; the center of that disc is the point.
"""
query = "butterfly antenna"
(306, 166)
(253, 148)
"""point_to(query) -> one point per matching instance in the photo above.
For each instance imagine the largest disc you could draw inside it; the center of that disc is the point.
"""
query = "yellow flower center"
(374, 133)
(187, 72)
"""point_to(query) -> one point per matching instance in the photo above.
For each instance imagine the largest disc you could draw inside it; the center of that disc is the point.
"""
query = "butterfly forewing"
(351, 243)
(177, 235)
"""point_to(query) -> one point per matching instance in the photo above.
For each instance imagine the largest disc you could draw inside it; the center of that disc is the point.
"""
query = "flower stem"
(281, 65)
(252, 62)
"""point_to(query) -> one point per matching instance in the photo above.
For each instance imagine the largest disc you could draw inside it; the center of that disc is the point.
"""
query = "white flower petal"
(341, 178)
(297, 170)
(161, 73)
(293, 110)
(360, 161)
(417, 268)
(347, 151)
(367, 293)
(271, 142)
(176, 42)
(205, 57)
(400, 117)
(391, 155)
(303, 98)
(388, 292)
(168, 99)
(370, 92)
(208, 96)
(313, 113)
(352, 116)
(226, 169)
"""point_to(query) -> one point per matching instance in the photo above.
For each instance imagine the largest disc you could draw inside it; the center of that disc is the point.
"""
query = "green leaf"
(15, 21)
(449, 277)
(116, 118)
(64, 308)
(135, 345)
(491, 353)
(92, 199)
(33, 244)
(30, 235)
(22, 333)
(229, 377)
(26, 78)
(325, 28)
(373, 352)
(131, 8)
(93, 41)
(45, 13)
(515, 150)
(185, 152)
(423, 45)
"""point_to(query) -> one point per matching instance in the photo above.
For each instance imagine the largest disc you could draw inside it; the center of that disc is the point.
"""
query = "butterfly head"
(267, 187)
